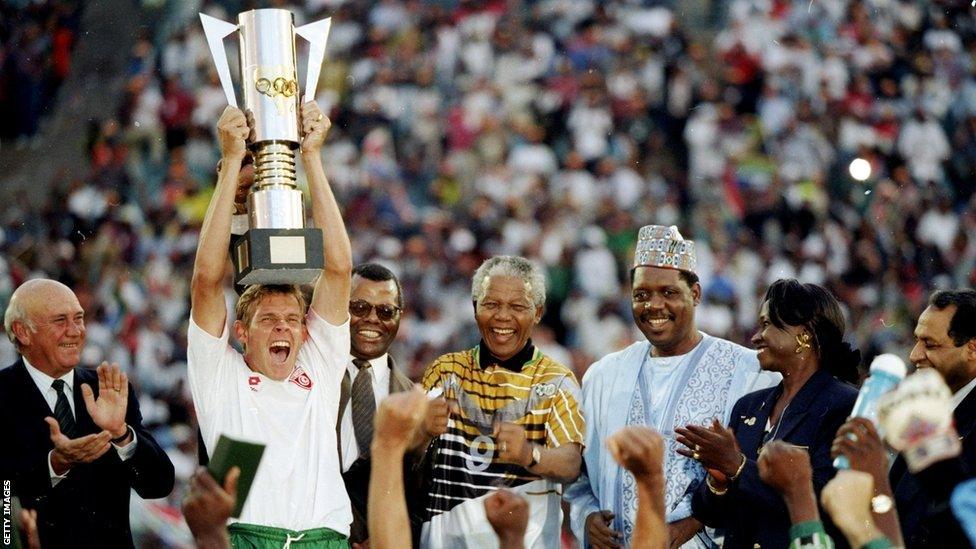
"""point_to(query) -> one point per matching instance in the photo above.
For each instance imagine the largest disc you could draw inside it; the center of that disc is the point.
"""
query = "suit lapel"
(398, 381)
(965, 415)
(752, 424)
(31, 400)
(798, 407)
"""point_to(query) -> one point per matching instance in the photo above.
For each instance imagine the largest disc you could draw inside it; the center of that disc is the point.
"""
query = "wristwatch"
(536, 455)
(881, 504)
(121, 439)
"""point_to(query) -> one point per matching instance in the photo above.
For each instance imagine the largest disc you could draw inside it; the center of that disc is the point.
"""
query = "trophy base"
(277, 256)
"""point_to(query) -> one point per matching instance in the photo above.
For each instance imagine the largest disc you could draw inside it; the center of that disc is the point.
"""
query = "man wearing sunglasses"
(375, 304)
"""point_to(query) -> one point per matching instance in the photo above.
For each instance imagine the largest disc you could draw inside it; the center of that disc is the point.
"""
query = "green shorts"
(252, 536)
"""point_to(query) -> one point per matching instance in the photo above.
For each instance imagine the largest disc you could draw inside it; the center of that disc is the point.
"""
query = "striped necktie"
(363, 405)
(62, 410)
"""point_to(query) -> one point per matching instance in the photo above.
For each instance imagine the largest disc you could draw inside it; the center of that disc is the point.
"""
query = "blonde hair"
(253, 295)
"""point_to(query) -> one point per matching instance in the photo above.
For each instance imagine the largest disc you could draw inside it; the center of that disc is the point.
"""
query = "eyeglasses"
(362, 309)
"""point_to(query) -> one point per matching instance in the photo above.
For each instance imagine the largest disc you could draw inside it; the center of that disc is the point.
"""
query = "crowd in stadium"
(549, 129)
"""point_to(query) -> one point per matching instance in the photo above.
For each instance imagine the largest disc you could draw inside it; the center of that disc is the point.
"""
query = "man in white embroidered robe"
(679, 376)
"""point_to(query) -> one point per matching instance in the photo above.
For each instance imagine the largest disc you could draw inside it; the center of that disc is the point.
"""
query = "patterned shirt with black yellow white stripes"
(529, 389)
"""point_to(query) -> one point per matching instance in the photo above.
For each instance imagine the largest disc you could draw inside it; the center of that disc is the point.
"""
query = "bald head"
(46, 323)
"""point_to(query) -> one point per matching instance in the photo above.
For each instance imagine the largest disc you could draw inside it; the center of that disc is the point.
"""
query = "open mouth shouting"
(280, 351)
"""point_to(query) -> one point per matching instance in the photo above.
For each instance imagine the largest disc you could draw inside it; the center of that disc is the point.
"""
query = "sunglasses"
(362, 309)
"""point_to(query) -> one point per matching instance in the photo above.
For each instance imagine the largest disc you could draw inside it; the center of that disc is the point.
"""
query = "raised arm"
(206, 289)
(330, 299)
(397, 419)
(640, 450)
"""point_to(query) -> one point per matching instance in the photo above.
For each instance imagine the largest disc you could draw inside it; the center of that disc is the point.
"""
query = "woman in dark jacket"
(801, 330)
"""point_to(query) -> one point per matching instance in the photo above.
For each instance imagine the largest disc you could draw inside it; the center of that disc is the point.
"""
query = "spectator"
(375, 306)
(800, 336)
(698, 376)
(78, 470)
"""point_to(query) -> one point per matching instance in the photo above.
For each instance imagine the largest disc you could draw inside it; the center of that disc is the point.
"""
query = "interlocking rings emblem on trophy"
(277, 249)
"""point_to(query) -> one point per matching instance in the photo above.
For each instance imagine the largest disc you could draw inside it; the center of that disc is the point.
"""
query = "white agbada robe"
(630, 387)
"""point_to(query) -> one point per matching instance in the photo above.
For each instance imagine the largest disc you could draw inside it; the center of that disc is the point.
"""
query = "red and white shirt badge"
(300, 378)
(253, 382)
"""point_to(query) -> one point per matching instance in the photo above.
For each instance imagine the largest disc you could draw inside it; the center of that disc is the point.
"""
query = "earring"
(802, 342)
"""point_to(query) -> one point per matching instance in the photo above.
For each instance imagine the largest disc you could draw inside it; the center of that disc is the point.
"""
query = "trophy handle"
(317, 34)
(216, 30)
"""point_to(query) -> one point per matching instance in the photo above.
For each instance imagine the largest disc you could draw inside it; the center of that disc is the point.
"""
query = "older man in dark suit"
(75, 445)
(375, 304)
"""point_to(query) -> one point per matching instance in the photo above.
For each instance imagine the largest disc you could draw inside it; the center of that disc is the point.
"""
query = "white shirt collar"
(378, 364)
(961, 394)
(44, 381)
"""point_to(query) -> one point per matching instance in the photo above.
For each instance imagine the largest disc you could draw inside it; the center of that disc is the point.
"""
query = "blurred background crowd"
(552, 129)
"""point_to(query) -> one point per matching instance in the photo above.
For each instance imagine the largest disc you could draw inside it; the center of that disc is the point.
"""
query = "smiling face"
(935, 349)
(273, 335)
(664, 309)
(58, 336)
(505, 315)
(370, 335)
(776, 347)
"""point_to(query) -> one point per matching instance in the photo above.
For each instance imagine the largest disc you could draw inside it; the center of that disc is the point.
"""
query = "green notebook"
(229, 453)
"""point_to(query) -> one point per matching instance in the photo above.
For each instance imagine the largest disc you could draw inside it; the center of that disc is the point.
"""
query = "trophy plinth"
(278, 248)
(278, 256)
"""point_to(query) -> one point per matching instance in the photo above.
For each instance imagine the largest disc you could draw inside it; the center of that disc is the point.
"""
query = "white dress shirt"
(381, 389)
(43, 382)
(961, 394)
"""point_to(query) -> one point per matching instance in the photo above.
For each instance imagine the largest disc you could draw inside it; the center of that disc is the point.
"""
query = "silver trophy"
(277, 249)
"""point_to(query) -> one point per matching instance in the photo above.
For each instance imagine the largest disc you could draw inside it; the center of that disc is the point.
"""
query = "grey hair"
(511, 265)
(16, 312)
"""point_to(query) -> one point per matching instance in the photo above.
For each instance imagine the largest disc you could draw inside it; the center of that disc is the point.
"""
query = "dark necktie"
(363, 405)
(62, 410)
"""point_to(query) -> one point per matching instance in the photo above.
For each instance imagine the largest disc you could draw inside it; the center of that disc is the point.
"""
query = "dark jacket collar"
(514, 364)
(802, 401)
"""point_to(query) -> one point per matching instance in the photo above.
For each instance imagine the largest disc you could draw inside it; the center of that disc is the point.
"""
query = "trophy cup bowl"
(277, 248)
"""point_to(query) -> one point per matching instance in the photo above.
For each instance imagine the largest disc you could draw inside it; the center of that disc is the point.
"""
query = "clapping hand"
(108, 410)
(714, 447)
(69, 452)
